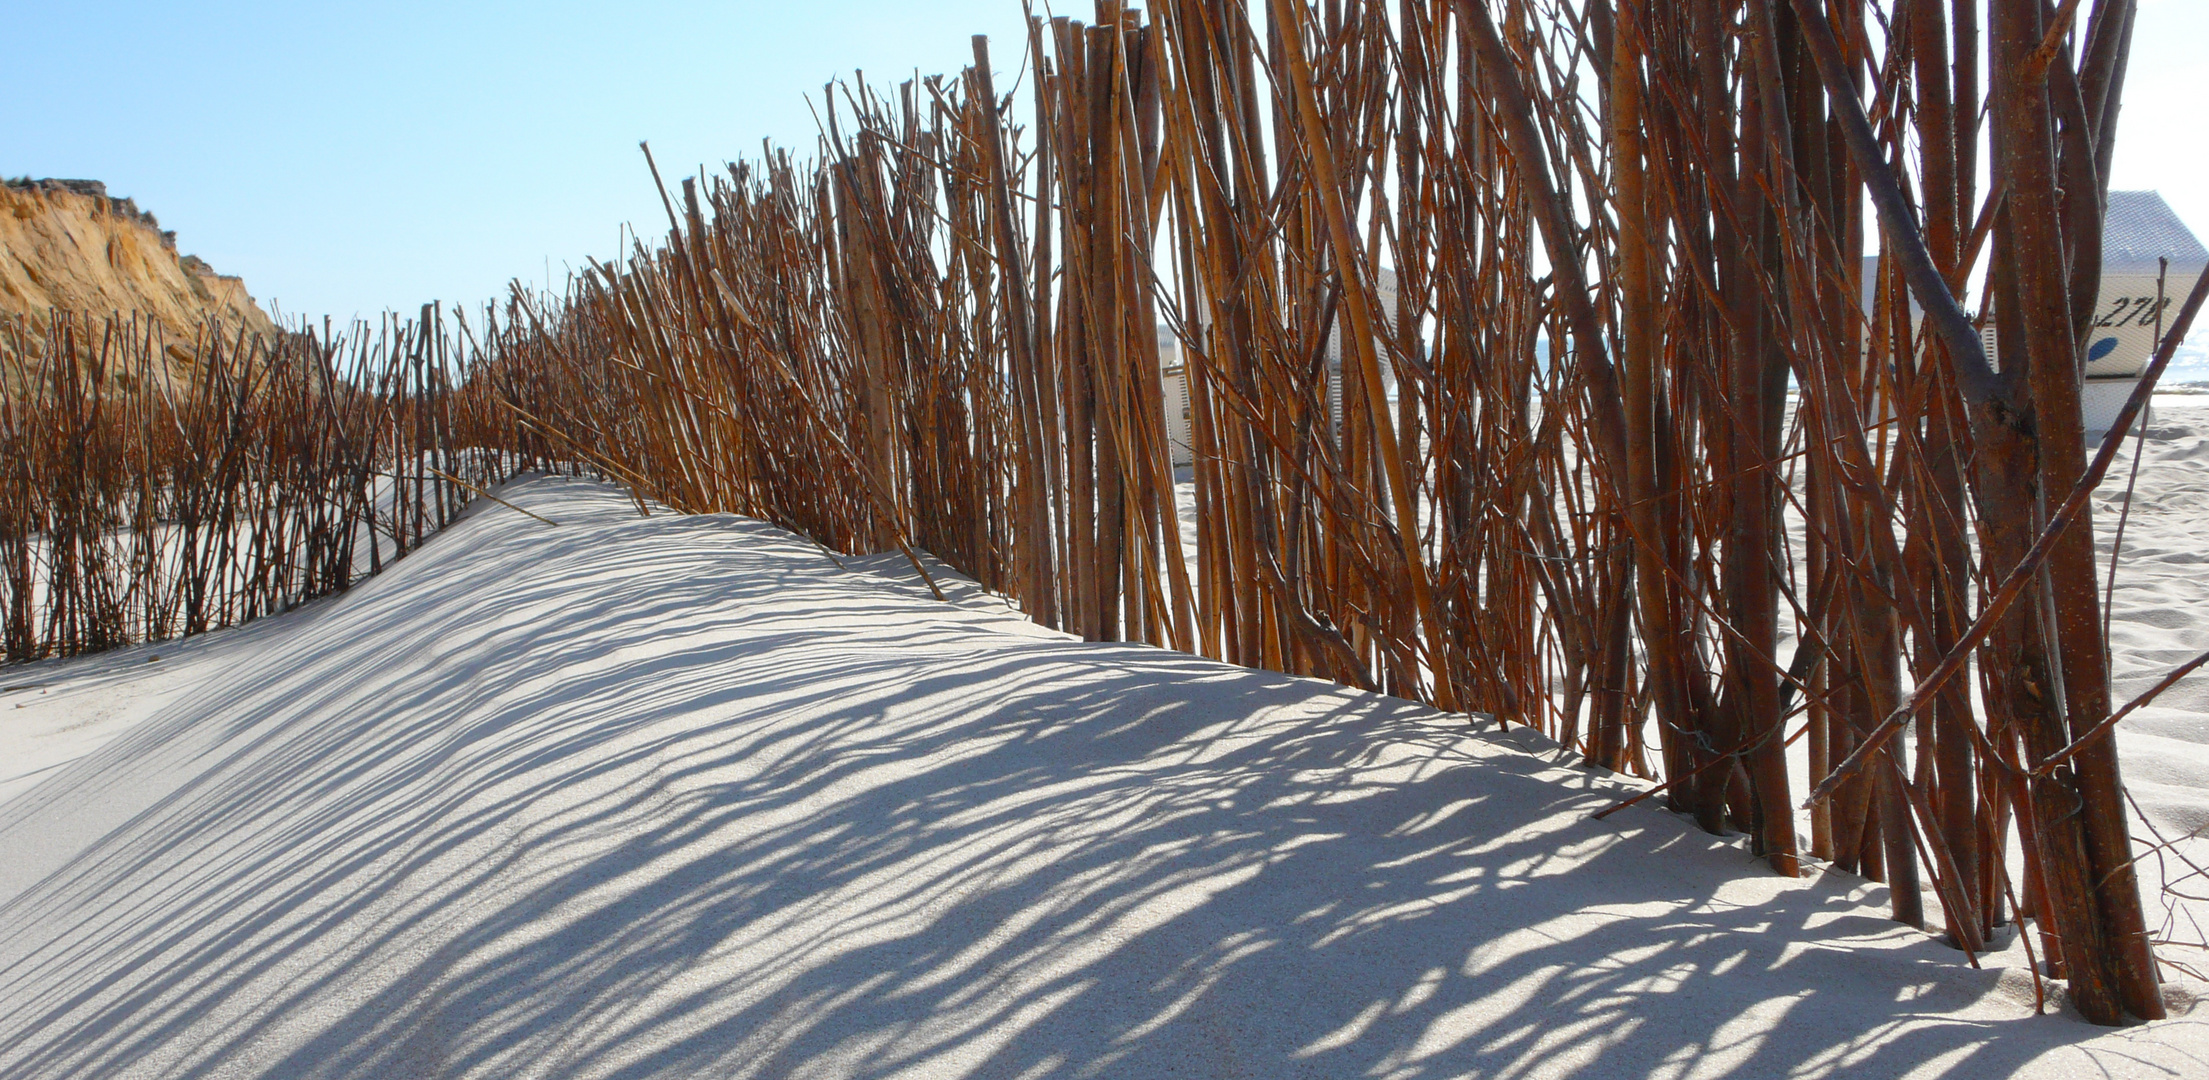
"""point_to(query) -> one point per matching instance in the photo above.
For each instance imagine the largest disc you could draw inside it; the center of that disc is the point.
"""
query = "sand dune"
(682, 796)
(2158, 619)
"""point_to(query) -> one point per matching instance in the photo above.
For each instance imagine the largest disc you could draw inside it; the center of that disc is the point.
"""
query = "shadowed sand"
(682, 796)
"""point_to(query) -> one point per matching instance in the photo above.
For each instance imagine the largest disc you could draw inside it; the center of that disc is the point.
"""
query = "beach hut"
(1173, 373)
(2133, 309)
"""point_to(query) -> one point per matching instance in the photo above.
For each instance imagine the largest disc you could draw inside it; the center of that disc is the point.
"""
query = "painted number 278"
(2133, 311)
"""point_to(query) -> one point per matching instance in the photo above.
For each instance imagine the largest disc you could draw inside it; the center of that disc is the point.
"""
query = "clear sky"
(349, 158)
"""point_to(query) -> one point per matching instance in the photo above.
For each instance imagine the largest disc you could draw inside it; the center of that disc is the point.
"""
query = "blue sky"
(355, 157)
(349, 158)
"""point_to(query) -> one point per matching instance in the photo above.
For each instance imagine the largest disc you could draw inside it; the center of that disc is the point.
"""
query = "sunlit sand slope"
(681, 796)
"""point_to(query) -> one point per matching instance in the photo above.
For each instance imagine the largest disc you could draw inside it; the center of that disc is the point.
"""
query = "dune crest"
(684, 796)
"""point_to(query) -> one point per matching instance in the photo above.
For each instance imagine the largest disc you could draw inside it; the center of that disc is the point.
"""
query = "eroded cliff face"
(67, 244)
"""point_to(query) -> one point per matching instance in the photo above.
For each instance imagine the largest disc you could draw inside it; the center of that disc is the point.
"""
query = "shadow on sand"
(677, 797)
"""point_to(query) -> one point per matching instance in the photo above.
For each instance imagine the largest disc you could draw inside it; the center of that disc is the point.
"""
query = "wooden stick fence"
(149, 490)
(1631, 405)
(1533, 369)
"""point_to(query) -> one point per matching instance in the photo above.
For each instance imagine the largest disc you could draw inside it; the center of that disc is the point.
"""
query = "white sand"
(2158, 619)
(679, 796)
